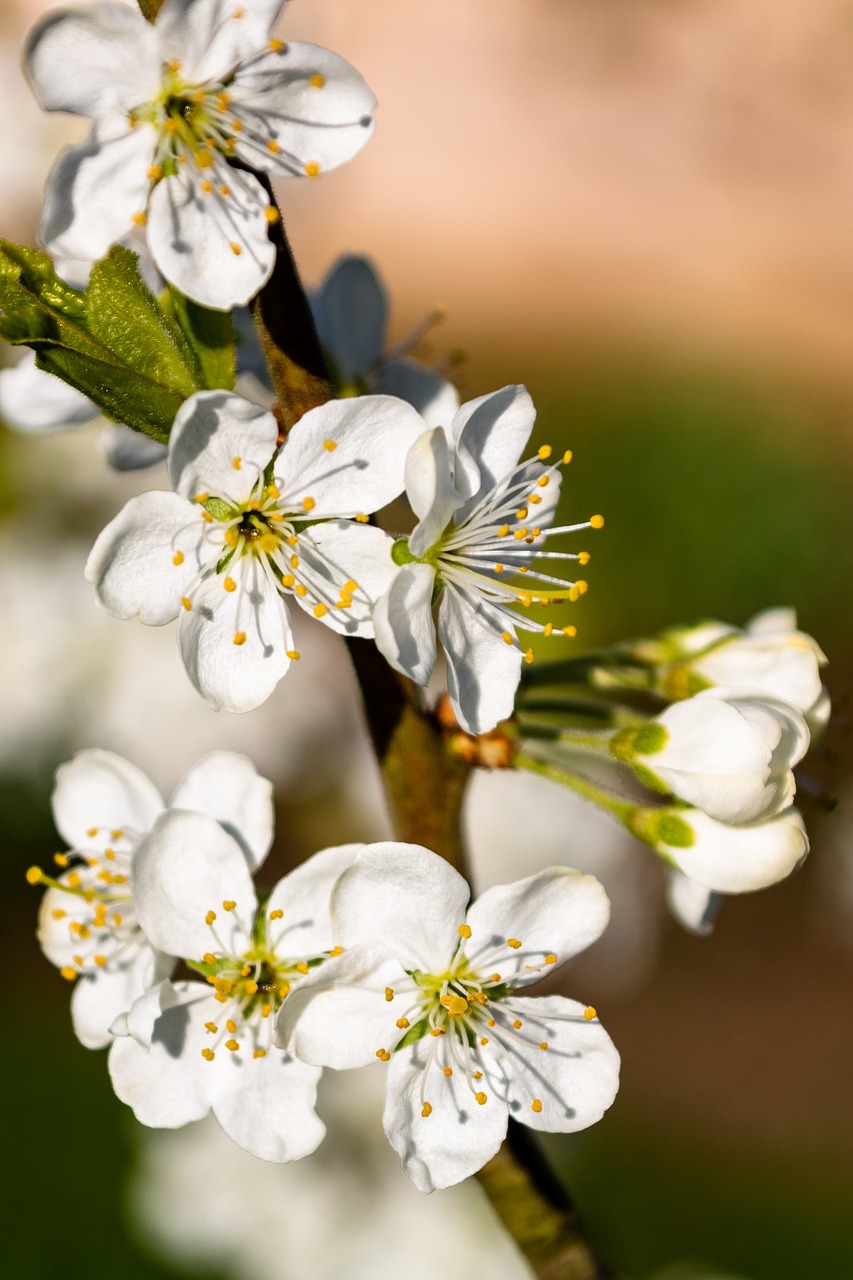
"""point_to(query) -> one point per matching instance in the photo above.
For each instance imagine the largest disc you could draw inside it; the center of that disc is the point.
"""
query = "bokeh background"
(644, 211)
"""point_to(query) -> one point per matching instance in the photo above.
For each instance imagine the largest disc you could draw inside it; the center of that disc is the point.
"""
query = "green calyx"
(661, 828)
(648, 740)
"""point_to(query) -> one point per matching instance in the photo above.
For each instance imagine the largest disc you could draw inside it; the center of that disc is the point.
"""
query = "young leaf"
(210, 335)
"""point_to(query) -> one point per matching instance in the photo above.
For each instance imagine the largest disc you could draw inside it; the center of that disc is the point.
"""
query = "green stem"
(624, 810)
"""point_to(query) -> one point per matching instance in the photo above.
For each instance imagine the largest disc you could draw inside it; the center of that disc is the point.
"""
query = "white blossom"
(483, 520)
(172, 102)
(88, 922)
(725, 857)
(250, 522)
(430, 986)
(197, 1046)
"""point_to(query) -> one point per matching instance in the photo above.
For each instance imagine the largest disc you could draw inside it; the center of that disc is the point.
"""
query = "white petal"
(430, 489)
(266, 1106)
(435, 399)
(402, 621)
(214, 248)
(555, 912)
(405, 898)
(142, 1015)
(228, 787)
(312, 125)
(340, 551)
(694, 906)
(210, 37)
(482, 670)
(213, 430)
(350, 311)
(738, 859)
(339, 1016)
(95, 189)
(33, 400)
(304, 897)
(100, 998)
(132, 564)
(456, 1138)
(575, 1078)
(490, 434)
(128, 450)
(364, 471)
(185, 868)
(93, 61)
(99, 789)
(236, 677)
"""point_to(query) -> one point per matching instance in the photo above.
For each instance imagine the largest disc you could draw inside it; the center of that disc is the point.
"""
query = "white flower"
(729, 752)
(249, 522)
(727, 858)
(88, 923)
(350, 310)
(483, 518)
(172, 103)
(693, 906)
(430, 988)
(195, 1047)
(770, 656)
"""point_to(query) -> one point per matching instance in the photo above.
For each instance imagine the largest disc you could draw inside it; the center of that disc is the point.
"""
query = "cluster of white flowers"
(363, 953)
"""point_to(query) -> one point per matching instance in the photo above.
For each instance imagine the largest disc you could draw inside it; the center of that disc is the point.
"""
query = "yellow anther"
(331, 445)
(287, 579)
(228, 904)
(117, 920)
(277, 914)
(235, 248)
(229, 584)
(596, 522)
(186, 602)
(571, 632)
(589, 1013)
(383, 1055)
(268, 543)
(582, 586)
(525, 598)
(78, 960)
(426, 1110)
(223, 986)
(336, 951)
(535, 498)
(68, 973)
(293, 654)
(543, 481)
(448, 1071)
(74, 879)
(361, 518)
(435, 1031)
(584, 557)
(208, 1055)
(484, 1040)
(211, 1027)
(545, 452)
(402, 1023)
(294, 562)
(277, 45)
(58, 913)
(312, 169)
(272, 215)
(308, 504)
(207, 187)
(506, 636)
(481, 1098)
(266, 1010)
(520, 534)
(320, 610)
(301, 589)
(389, 994)
(521, 513)
(477, 1075)
(236, 126)
(155, 172)
(284, 990)
(222, 100)
(232, 537)
(317, 81)
(170, 125)
(518, 1024)
(302, 967)
(528, 656)
(536, 1105)
(203, 158)
(549, 629)
(551, 958)
(514, 943)
(100, 960)
(209, 919)
(499, 568)
(240, 638)
(140, 218)
(259, 1053)
(34, 875)
(503, 531)
(233, 1045)
(543, 1044)
(178, 558)
(567, 457)
(273, 146)
(464, 931)
(110, 854)
(455, 1005)
(231, 1026)
(92, 832)
(251, 987)
(225, 191)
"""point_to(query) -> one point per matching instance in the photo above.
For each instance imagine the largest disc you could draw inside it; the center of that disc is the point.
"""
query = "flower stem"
(622, 810)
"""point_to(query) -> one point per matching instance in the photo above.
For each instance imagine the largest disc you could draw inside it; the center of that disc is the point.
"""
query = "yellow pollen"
(236, 126)
(209, 957)
(596, 522)
(240, 638)
(266, 1010)
(273, 146)
(301, 589)
(336, 951)
(277, 914)
(223, 986)
(211, 1027)
(434, 1031)
(481, 1098)
(383, 1055)
(349, 586)
(78, 960)
(272, 215)
(331, 445)
(229, 904)
(229, 584)
(535, 498)
(178, 558)
(514, 943)
(232, 537)
(203, 159)
(567, 457)
(317, 81)
(536, 1105)
(186, 602)
(140, 218)
(287, 579)
(293, 654)
(92, 832)
(361, 518)
(268, 543)
(294, 562)
(477, 1075)
(222, 100)
(58, 913)
(582, 586)
(426, 1110)
(464, 931)
(34, 875)
(584, 557)
(231, 1026)
(259, 1053)
(117, 920)
(589, 1013)
(100, 961)
(499, 568)
(170, 126)
(455, 1005)
(73, 879)
(543, 481)
(549, 629)
(308, 504)
(506, 637)
(448, 1071)
(571, 632)
(528, 656)
(277, 45)
(518, 1024)
(208, 1055)
(312, 169)
(544, 1044)
(251, 987)
(402, 1023)
(235, 249)
(224, 191)
(484, 1040)
(207, 187)
(155, 172)
(389, 993)
(302, 967)
(545, 452)
(491, 1023)
(109, 854)
(551, 958)
(320, 610)
(68, 973)
(209, 919)
(233, 1045)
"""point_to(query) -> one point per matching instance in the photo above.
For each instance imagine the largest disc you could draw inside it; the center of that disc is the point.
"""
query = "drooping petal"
(738, 859)
(227, 786)
(186, 868)
(220, 443)
(430, 489)
(303, 896)
(128, 450)
(148, 558)
(490, 434)
(99, 998)
(405, 898)
(339, 1016)
(458, 1134)
(347, 457)
(213, 247)
(94, 61)
(309, 103)
(350, 311)
(95, 189)
(694, 906)
(402, 621)
(210, 37)
(141, 1017)
(100, 789)
(555, 913)
(575, 1076)
(266, 1105)
(483, 671)
(435, 399)
(235, 644)
(335, 553)
(33, 400)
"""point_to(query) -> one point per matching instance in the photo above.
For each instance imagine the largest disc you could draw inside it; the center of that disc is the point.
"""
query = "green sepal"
(210, 337)
(416, 1032)
(113, 341)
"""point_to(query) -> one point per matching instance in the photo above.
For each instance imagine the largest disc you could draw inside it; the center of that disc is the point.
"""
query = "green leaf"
(113, 341)
(210, 336)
